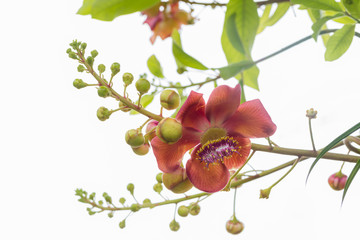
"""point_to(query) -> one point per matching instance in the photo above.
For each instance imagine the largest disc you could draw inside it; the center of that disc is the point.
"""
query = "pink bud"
(337, 181)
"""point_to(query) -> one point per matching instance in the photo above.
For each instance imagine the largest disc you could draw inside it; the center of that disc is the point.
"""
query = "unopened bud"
(311, 113)
(174, 226)
(181, 70)
(94, 53)
(234, 226)
(110, 214)
(122, 224)
(130, 187)
(158, 187)
(177, 181)
(68, 50)
(142, 150)
(115, 68)
(81, 68)
(90, 60)
(73, 55)
(169, 99)
(103, 91)
(123, 107)
(146, 201)
(337, 181)
(83, 46)
(103, 113)
(127, 78)
(159, 177)
(92, 196)
(142, 85)
(135, 207)
(265, 193)
(79, 83)
(194, 209)
(122, 200)
(169, 130)
(134, 138)
(151, 129)
(183, 211)
(101, 68)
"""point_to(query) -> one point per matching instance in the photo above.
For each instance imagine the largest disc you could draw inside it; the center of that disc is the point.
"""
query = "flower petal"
(239, 158)
(169, 156)
(222, 103)
(208, 179)
(192, 112)
(251, 120)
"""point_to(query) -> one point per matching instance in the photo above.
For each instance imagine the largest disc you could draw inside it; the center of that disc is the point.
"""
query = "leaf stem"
(311, 135)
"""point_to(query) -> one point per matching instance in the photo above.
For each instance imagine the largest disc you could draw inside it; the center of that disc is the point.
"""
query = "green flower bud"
(94, 53)
(128, 78)
(183, 211)
(169, 130)
(130, 187)
(100, 202)
(123, 107)
(103, 113)
(135, 207)
(134, 138)
(110, 214)
(151, 129)
(115, 68)
(194, 209)
(146, 201)
(90, 60)
(122, 224)
(142, 150)
(68, 50)
(181, 70)
(81, 68)
(142, 85)
(83, 46)
(101, 68)
(169, 99)
(159, 177)
(79, 83)
(264, 193)
(174, 226)
(103, 91)
(177, 181)
(158, 187)
(122, 200)
(73, 55)
(234, 226)
(92, 196)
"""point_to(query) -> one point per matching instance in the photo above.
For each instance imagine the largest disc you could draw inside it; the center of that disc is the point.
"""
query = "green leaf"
(320, 4)
(107, 10)
(233, 35)
(177, 39)
(264, 18)
(280, 11)
(186, 59)
(353, 7)
(145, 101)
(235, 68)
(332, 144)
(315, 15)
(350, 179)
(155, 67)
(317, 26)
(339, 42)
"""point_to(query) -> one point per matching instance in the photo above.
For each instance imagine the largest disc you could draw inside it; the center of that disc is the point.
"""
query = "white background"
(52, 143)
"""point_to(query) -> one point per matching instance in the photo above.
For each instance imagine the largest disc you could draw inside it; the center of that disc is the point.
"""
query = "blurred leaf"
(234, 68)
(233, 35)
(264, 17)
(332, 144)
(317, 26)
(177, 39)
(353, 7)
(320, 4)
(145, 101)
(339, 42)
(155, 67)
(107, 10)
(186, 59)
(342, 20)
(350, 179)
(280, 11)
(315, 15)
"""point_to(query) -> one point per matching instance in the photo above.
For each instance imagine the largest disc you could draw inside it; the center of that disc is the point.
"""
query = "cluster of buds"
(163, 20)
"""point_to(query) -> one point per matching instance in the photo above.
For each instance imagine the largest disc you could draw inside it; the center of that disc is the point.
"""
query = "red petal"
(222, 103)
(251, 120)
(239, 158)
(169, 156)
(208, 179)
(192, 112)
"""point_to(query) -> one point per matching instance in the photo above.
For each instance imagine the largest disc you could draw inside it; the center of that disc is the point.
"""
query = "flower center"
(212, 134)
(215, 151)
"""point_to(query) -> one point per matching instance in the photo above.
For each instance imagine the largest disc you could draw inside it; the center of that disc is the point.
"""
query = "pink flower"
(219, 132)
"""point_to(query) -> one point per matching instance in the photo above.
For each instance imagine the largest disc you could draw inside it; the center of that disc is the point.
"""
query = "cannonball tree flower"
(218, 133)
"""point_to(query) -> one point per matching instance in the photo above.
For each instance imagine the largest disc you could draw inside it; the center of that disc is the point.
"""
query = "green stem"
(311, 135)
(187, 86)
(292, 167)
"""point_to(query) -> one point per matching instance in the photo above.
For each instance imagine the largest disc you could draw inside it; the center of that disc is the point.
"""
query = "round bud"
(128, 78)
(169, 99)
(123, 107)
(311, 113)
(110, 214)
(142, 150)
(115, 68)
(134, 207)
(169, 130)
(72, 55)
(146, 201)
(94, 53)
(183, 211)
(151, 129)
(78, 83)
(177, 181)
(92, 196)
(158, 187)
(90, 60)
(101, 68)
(122, 200)
(134, 138)
(234, 226)
(122, 224)
(83, 46)
(159, 177)
(103, 113)
(337, 181)
(68, 50)
(142, 85)
(181, 70)
(130, 187)
(174, 226)
(103, 91)
(81, 68)
(194, 209)
(265, 193)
